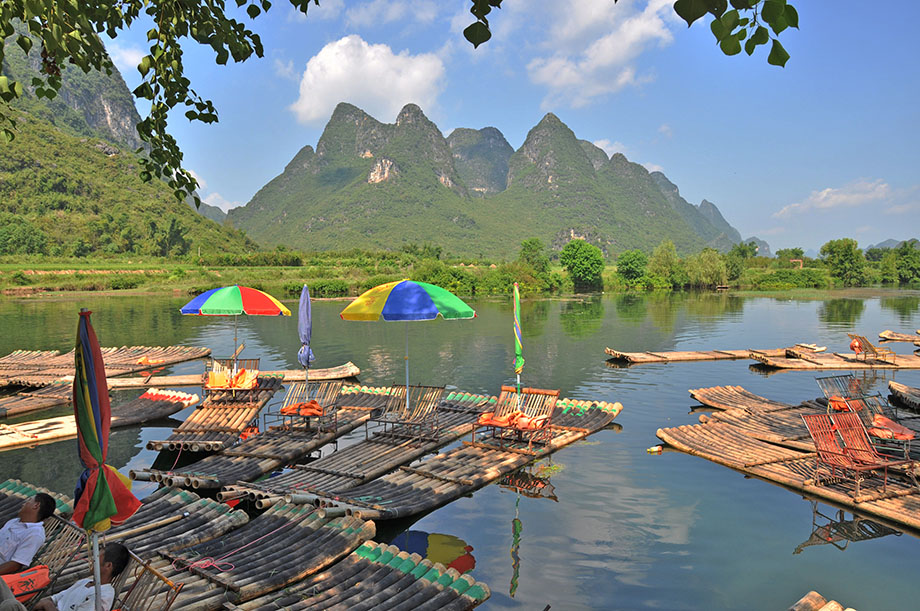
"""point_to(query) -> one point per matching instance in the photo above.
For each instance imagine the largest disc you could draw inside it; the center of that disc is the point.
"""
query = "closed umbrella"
(305, 330)
(518, 345)
(103, 495)
(407, 300)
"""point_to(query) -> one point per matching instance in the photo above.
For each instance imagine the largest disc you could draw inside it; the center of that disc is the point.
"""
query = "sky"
(824, 148)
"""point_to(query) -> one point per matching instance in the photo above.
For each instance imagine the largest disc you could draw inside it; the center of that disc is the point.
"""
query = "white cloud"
(370, 76)
(594, 45)
(853, 195)
(376, 12)
(284, 69)
(665, 130)
(610, 147)
(202, 185)
(216, 199)
(653, 167)
(902, 208)
(125, 58)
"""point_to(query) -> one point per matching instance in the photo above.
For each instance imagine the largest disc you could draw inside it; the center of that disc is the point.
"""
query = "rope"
(225, 567)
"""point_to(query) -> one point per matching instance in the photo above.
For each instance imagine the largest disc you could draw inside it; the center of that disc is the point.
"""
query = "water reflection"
(841, 312)
(582, 318)
(838, 530)
(631, 307)
(905, 307)
(451, 551)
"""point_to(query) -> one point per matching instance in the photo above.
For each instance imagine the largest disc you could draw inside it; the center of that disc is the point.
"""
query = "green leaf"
(191, 115)
(25, 43)
(730, 20)
(791, 16)
(761, 36)
(222, 56)
(4, 84)
(742, 4)
(778, 24)
(253, 11)
(477, 33)
(778, 55)
(718, 30)
(772, 10)
(144, 66)
(731, 45)
(750, 45)
(691, 10)
(8, 134)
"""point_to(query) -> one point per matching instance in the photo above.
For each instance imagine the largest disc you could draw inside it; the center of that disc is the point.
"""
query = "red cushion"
(894, 430)
(531, 423)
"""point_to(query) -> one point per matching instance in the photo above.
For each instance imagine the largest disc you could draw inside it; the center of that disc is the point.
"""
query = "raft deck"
(24, 401)
(799, 360)
(341, 372)
(766, 442)
(892, 336)
(699, 355)
(267, 451)
(220, 419)
(151, 405)
(907, 395)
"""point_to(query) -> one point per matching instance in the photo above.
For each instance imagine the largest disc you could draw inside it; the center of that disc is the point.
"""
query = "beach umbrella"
(233, 301)
(518, 346)
(407, 300)
(305, 330)
(103, 495)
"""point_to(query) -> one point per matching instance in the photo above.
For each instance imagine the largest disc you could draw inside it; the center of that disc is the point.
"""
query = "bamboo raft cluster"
(255, 456)
(799, 360)
(220, 419)
(442, 478)
(340, 372)
(366, 460)
(43, 367)
(907, 395)
(761, 438)
(892, 336)
(378, 576)
(691, 355)
(153, 404)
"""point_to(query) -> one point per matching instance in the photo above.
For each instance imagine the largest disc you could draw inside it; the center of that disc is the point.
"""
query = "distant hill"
(69, 182)
(891, 243)
(370, 184)
(763, 249)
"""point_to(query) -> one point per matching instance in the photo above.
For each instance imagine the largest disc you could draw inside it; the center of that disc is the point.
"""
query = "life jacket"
(28, 583)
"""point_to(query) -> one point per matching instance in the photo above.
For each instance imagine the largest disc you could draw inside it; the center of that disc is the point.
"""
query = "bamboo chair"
(140, 587)
(306, 401)
(880, 420)
(221, 371)
(831, 452)
(525, 415)
(856, 443)
(878, 353)
(845, 386)
(417, 417)
(63, 541)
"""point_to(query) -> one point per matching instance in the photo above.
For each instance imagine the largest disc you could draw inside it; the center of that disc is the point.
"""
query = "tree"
(66, 32)
(784, 254)
(876, 254)
(665, 263)
(734, 260)
(706, 268)
(584, 262)
(888, 267)
(908, 261)
(845, 261)
(631, 265)
(533, 253)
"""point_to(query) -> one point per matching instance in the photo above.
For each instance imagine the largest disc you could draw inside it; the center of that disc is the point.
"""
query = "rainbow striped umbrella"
(103, 495)
(233, 301)
(407, 300)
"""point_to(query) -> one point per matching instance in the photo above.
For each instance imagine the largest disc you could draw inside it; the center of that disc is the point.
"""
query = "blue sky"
(826, 147)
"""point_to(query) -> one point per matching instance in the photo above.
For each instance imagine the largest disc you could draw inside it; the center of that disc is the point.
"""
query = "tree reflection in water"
(582, 318)
(841, 312)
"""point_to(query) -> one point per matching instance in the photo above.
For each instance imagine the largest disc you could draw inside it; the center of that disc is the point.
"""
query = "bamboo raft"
(701, 355)
(220, 419)
(362, 462)
(378, 574)
(907, 395)
(442, 478)
(892, 336)
(266, 451)
(768, 440)
(13, 492)
(151, 405)
(43, 367)
(800, 360)
(341, 372)
(34, 399)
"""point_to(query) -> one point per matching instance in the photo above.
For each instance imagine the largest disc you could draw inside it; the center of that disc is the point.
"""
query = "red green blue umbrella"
(233, 301)
(407, 300)
(103, 495)
(452, 552)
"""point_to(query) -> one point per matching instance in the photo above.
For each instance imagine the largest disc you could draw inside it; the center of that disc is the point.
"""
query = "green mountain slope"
(370, 184)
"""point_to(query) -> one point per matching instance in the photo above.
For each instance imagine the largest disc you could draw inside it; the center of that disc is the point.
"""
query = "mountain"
(891, 243)
(69, 182)
(375, 185)
(763, 249)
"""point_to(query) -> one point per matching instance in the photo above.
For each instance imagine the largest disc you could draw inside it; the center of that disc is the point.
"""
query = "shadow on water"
(836, 529)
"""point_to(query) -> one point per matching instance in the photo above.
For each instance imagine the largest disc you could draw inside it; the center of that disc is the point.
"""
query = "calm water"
(627, 530)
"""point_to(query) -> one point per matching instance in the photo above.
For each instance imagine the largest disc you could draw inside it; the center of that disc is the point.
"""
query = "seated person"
(21, 537)
(81, 596)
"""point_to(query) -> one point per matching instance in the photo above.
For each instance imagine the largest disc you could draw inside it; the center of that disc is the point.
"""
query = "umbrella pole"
(407, 367)
(96, 575)
(234, 343)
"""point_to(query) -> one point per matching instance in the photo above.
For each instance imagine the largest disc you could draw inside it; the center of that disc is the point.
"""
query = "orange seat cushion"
(890, 429)
(532, 424)
(838, 404)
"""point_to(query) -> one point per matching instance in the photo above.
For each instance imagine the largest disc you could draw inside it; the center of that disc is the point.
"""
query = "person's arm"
(10, 566)
(45, 604)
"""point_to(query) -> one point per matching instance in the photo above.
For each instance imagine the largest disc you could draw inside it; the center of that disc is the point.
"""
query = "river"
(622, 529)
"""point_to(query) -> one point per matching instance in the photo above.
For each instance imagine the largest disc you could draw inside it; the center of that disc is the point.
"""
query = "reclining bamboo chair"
(845, 385)
(306, 401)
(867, 349)
(63, 541)
(415, 417)
(832, 451)
(140, 587)
(519, 416)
